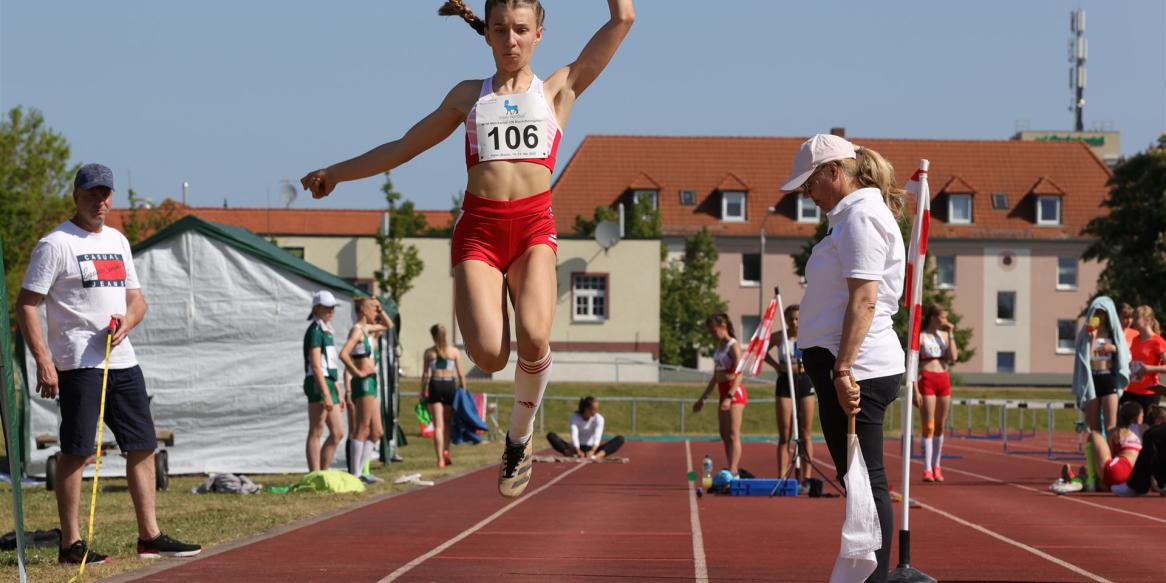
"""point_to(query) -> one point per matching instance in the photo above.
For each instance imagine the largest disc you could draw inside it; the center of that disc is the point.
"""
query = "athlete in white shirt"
(586, 434)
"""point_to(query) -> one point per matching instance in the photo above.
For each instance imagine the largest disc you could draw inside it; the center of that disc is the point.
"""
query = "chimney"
(838, 131)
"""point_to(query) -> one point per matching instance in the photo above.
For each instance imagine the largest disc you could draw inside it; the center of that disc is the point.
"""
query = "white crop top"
(723, 357)
(931, 346)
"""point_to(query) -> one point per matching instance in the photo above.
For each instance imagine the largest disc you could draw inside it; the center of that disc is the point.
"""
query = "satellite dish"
(607, 234)
(288, 193)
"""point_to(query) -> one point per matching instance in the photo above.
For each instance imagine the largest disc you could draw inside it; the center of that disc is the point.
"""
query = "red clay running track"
(992, 520)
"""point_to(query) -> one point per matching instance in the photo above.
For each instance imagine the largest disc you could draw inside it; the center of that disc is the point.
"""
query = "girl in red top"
(504, 241)
(731, 392)
(1147, 359)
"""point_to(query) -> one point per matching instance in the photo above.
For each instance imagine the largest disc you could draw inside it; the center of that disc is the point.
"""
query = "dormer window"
(808, 212)
(1048, 210)
(651, 195)
(733, 207)
(959, 209)
(687, 198)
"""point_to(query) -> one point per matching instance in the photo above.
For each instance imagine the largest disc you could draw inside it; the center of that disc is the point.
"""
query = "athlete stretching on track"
(504, 240)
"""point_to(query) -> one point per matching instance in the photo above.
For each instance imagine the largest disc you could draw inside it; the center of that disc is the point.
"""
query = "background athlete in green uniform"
(360, 355)
(320, 374)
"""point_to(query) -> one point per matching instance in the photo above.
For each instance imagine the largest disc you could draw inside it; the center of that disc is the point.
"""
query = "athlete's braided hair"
(458, 8)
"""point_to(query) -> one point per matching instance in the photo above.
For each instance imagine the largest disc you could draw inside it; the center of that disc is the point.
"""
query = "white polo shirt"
(864, 243)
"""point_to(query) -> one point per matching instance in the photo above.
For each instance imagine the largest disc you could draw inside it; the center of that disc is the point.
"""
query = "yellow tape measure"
(97, 463)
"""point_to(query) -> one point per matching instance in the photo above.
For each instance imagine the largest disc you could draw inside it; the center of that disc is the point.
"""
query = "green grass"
(210, 519)
(216, 519)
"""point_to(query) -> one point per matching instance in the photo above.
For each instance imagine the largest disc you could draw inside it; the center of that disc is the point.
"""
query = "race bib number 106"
(512, 127)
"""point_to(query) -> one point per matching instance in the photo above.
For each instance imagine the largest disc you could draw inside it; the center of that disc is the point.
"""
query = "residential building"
(1006, 228)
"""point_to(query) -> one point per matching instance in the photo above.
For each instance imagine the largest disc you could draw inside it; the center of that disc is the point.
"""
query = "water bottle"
(708, 467)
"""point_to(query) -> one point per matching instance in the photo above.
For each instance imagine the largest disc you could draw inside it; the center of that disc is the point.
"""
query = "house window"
(364, 285)
(590, 297)
(296, 251)
(687, 198)
(1006, 362)
(945, 271)
(959, 209)
(733, 207)
(808, 212)
(999, 201)
(650, 195)
(1067, 273)
(1066, 336)
(1048, 210)
(1005, 307)
(748, 327)
(750, 270)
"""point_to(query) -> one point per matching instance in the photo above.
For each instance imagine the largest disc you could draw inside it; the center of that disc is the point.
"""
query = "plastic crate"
(763, 487)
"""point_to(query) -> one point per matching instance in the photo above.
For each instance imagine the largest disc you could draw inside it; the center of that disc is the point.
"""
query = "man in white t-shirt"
(84, 274)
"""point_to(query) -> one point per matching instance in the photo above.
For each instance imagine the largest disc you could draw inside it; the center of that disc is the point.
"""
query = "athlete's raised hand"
(318, 183)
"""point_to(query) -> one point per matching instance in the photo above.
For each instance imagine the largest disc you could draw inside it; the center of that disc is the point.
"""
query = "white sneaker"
(517, 465)
(1063, 487)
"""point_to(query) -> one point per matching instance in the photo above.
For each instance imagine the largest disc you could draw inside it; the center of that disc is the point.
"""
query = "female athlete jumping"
(504, 241)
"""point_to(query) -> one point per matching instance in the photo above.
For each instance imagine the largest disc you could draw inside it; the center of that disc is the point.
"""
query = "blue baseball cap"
(92, 176)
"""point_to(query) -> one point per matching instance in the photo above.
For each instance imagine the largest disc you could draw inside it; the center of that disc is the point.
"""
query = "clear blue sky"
(235, 96)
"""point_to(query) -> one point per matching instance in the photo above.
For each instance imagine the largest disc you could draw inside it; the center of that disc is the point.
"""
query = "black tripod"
(795, 465)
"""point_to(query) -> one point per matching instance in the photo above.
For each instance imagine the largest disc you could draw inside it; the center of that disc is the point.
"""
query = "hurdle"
(995, 415)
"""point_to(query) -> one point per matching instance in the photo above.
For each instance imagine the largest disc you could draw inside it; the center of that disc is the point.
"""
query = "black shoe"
(76, 553)
(164, 546)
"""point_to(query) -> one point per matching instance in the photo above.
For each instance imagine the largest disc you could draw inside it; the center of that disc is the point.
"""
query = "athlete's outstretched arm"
(578, 76)
(425, 134)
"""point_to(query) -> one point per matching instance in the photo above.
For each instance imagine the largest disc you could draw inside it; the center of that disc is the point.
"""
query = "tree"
(142, 220)
(35, 183)
(401, 262)
(454, 211)
(688, 295)
(1131, 239)
(931, 292)
(642, 221)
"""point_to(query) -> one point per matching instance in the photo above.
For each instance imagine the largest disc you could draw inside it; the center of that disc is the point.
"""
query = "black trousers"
(1151, 462)
(877, 395)
(565, 448)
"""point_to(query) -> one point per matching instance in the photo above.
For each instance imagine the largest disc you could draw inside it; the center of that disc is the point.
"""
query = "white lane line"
(1002, 538)
(1043, 492)
(948, 444)
(475, 528)
(700, 568)
(1018, 544)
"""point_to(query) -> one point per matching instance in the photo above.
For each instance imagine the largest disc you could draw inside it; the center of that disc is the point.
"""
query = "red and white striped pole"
(913, 300)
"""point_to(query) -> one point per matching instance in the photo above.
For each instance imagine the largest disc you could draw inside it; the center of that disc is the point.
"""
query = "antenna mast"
(1078, 52)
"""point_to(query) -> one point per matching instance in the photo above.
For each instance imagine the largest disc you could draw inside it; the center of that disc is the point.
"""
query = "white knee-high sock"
(927, 454)
(530, 382)
(356, 456)
(938, 451)
(370, 453)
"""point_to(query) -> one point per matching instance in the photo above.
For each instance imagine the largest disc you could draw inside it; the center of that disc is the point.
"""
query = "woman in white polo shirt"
(853, 283)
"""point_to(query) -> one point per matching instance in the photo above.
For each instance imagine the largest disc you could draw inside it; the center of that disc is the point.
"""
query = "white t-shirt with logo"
(864, 243)
(84, 277)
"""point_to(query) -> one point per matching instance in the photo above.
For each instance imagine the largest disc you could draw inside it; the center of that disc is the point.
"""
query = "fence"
(990, 419)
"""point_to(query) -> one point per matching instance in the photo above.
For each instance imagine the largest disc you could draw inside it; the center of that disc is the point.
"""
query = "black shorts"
(127, 410)
(802, 382)
(1145, 400)
(1104, 384)
(441, 391)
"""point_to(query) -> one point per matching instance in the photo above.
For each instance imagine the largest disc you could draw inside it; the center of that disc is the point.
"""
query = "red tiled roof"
(604, 166)
(1045, 186)
(731, 182)
(644, 182)
(319, 222)
(956, 185)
